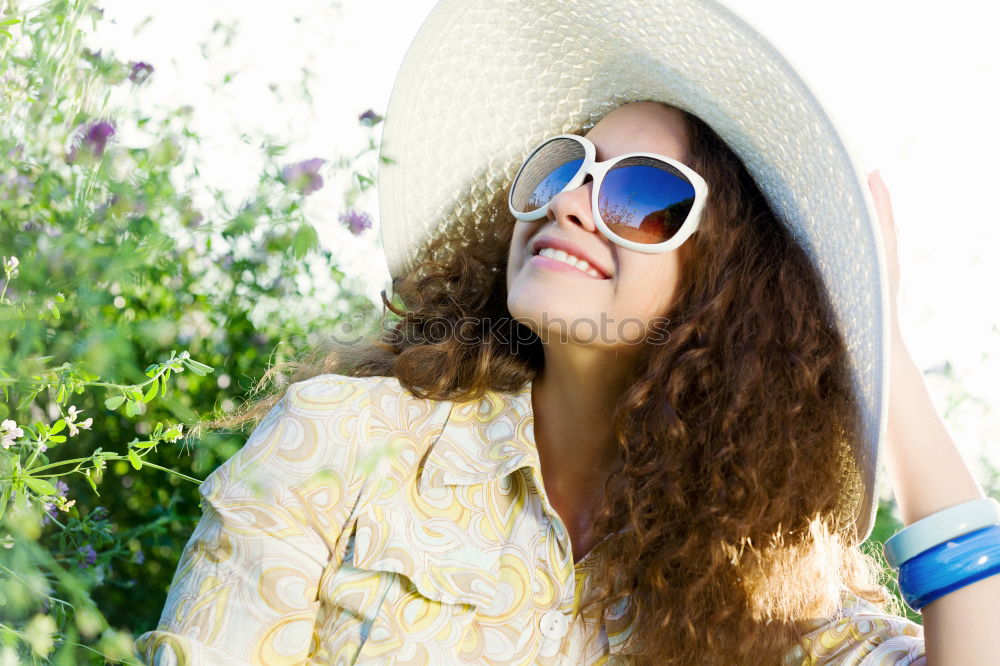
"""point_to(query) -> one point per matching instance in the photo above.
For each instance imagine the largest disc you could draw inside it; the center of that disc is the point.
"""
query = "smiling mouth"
(569, 260)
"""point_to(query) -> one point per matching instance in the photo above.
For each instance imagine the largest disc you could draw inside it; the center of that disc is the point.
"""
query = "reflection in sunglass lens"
(645, 200)
(545, 173)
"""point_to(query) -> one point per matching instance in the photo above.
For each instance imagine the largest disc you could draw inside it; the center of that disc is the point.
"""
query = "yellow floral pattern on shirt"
(362, 525)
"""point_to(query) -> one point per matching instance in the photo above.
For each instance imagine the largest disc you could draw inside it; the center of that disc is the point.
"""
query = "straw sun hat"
(484, 81)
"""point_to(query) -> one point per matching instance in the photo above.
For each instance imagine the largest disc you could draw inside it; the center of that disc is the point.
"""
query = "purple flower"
(35, 226)
(94, 138)
(97, 136)
(304, 175)
(51, 511)
(140, 71)
(369, 118)
(356, 221)
(51, 508)
(89, 556)
(139, 558)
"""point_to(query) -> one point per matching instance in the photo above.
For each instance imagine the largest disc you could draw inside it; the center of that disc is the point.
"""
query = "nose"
(573, 206)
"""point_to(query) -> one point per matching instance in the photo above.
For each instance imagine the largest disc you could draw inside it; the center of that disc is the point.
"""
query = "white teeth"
(576, 262)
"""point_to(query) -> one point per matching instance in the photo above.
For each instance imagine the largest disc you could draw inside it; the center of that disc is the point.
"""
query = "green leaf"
(146, 444)
(4, 496)
(58, 439)
(40, 486)
(55, 311)
(92, 484)
(151, 370)
(197, 368)
(305, 239)
(58, 426)
(131, 408)
(114, 402)
(61, 395)
(133, 458)
(28, 399)
(151, 393)
(11, 21)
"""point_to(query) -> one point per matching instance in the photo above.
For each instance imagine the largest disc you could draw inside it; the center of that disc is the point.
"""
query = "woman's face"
(561, 302)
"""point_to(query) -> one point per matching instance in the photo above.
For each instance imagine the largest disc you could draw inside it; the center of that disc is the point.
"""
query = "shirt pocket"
(414, 595)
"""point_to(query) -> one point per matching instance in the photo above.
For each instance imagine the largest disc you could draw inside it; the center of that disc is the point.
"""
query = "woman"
(572, 449)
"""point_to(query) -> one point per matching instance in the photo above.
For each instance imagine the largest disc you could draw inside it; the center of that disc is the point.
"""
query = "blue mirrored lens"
(545, 173)
(645, 200)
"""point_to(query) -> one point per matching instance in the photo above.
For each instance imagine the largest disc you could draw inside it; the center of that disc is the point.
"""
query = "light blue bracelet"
(939, 527)
(950, 566)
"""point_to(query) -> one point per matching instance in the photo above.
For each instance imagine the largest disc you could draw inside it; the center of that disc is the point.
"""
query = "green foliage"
(123, 301)
(886, 524)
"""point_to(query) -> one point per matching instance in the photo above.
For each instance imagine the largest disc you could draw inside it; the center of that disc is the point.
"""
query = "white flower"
(9, 432)
(74, 427)
(10, 264)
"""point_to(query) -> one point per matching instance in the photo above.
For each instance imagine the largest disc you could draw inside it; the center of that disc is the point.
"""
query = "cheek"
(516, 253)
(647, 286)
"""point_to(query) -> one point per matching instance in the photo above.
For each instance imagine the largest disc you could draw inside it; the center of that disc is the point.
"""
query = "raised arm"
(928, 474)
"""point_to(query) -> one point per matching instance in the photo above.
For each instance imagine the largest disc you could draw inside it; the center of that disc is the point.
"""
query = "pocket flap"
(446, 566)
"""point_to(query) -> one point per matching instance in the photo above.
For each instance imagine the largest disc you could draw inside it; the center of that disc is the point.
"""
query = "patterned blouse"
(361, 525)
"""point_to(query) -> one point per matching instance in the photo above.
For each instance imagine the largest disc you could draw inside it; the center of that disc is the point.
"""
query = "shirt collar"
(483, 439)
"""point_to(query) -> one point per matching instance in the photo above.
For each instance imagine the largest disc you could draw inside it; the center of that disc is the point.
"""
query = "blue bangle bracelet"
(940, 526)
(949, 566)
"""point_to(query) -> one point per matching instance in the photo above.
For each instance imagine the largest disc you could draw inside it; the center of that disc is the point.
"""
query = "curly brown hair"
(740, 510)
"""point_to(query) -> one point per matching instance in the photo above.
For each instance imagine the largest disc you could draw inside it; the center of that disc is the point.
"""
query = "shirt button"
(553, 625)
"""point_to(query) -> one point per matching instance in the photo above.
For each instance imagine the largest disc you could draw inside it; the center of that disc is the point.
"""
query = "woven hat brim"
(485, 80)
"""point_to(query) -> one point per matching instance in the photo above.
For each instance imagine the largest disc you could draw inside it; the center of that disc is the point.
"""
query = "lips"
(571, 249)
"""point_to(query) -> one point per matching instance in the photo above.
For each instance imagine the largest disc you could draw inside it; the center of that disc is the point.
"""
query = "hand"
(890, 235)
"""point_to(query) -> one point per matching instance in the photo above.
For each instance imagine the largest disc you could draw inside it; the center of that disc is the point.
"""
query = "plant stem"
(116, 457)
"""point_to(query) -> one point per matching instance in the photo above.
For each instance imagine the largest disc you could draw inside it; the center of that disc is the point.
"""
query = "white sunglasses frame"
(597, 170)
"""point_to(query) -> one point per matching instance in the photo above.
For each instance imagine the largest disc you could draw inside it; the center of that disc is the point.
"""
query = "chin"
(554, 314)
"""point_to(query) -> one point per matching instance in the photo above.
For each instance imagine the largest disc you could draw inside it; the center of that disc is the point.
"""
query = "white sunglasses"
(641, 201)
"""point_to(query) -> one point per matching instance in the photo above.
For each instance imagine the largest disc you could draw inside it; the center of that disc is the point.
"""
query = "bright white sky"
(910, 83)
